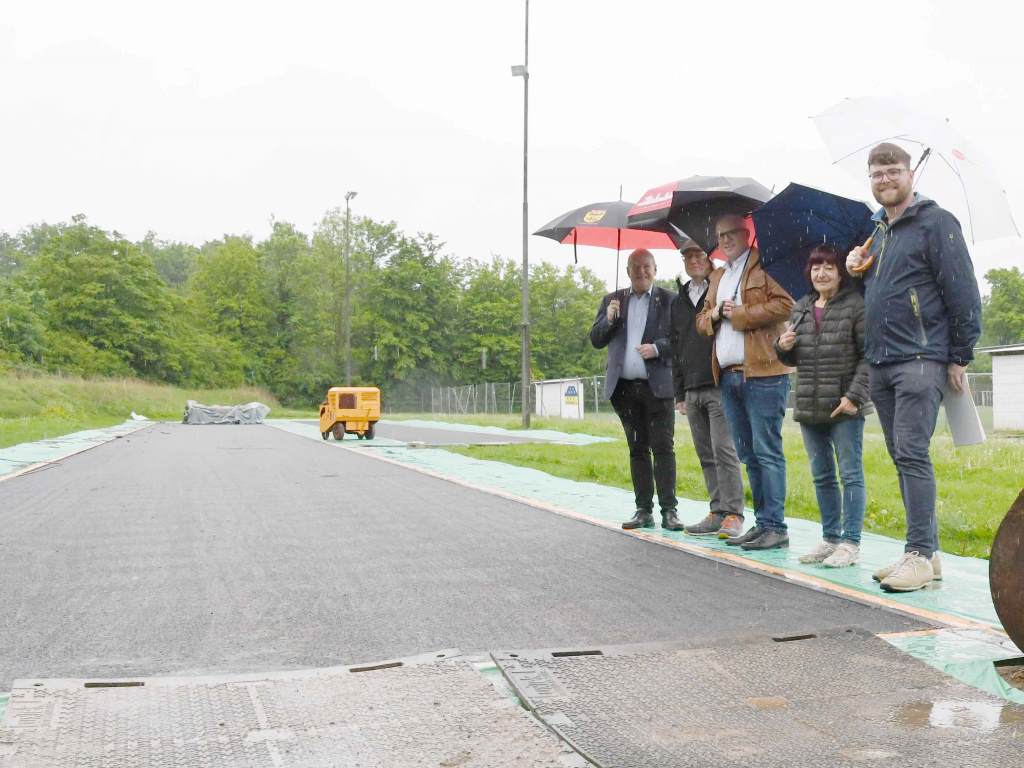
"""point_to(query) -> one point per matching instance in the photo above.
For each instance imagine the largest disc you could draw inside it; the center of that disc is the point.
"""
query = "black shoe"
(642, 519)
(750, 535)
(670, 521)
(768, 540)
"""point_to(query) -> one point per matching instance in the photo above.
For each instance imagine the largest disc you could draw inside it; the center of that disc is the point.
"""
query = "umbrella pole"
(618, 251)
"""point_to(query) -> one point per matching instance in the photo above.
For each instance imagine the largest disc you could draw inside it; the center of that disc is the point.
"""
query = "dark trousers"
(907, 398)
(649, 423)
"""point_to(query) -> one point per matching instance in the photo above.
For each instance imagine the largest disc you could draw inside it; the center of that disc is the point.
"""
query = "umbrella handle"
(868, 262)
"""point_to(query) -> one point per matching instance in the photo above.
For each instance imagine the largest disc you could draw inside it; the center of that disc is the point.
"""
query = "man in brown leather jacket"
(745, 310)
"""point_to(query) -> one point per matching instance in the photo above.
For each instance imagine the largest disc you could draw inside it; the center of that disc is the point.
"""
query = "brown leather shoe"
(642, 519)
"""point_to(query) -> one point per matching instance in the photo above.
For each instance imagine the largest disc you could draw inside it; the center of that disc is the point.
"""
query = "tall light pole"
(524, 72)
(346, 312)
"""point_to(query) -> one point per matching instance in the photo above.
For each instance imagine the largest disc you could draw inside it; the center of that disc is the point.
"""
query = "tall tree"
(229, 291)
(1003, 308)
(102, 293)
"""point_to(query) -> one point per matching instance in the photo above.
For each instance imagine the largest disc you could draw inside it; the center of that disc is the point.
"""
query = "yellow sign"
(594, 216)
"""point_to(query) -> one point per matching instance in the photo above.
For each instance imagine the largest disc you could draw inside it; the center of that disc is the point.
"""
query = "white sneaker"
(911, 573)
(846, 554)
(819, 553)
(882, 573)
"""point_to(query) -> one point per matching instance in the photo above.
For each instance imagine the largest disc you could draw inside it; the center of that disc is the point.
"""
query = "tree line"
(79, 299)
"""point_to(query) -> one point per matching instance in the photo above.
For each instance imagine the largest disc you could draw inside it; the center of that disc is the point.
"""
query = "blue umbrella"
(797, 219)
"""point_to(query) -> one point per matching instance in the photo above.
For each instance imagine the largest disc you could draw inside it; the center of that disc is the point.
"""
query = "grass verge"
(976, 484)
(38, 406)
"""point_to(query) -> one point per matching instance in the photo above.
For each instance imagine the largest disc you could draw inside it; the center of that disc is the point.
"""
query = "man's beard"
(881, 197)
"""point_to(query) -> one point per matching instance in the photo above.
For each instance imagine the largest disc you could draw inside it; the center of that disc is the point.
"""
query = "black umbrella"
(606, 225)
(693, 204)
(797, 219)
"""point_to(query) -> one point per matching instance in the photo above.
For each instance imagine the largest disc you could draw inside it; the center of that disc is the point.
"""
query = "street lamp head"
(350, 195)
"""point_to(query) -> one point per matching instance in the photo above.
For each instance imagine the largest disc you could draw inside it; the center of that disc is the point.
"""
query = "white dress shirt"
(729, 342)
(633, 366)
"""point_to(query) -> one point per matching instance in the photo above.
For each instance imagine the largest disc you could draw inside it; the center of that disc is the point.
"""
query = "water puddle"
(983, 716)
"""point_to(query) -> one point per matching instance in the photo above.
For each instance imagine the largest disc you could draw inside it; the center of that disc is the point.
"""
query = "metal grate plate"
(838, 698)
(435, 710)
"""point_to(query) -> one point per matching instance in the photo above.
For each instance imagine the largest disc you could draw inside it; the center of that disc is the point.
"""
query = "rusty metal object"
(1006, 572)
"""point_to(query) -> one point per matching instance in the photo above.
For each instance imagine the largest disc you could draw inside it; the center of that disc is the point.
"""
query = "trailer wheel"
(339, 431)
(369, 430)
(325, 435)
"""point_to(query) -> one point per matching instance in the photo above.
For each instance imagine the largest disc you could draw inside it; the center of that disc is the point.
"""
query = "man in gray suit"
(634, 324)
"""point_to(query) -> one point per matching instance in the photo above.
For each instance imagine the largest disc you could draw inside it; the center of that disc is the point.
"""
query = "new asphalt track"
(218, 549)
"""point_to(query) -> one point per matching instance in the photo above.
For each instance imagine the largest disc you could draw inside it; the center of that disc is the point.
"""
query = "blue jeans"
(842, 514)
(907, 397)
(755, 409)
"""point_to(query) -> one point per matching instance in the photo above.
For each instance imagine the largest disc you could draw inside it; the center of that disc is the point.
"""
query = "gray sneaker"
(882, 573)
(706, 527)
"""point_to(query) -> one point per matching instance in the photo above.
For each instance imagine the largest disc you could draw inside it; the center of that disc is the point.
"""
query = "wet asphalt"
(186, 549)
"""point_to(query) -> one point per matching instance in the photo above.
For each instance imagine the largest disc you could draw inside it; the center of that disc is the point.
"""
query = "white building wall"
(559, 397)
(1008, 391)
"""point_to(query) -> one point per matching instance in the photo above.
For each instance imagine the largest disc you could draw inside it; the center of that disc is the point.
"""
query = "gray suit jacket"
(656, 332)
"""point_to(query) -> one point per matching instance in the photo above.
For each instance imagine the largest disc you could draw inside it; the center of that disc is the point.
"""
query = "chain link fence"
(505, 397)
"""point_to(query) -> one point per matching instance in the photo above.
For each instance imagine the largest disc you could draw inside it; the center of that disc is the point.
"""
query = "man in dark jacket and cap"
(700, 400)
(922, 314)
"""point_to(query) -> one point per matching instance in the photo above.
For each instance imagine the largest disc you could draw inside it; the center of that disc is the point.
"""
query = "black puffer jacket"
(829, 363)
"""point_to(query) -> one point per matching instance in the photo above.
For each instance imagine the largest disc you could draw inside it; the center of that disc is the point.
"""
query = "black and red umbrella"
(606, 225)
(691, 205)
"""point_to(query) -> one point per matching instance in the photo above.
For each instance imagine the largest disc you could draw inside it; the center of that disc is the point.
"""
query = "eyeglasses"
(889, 173)
(731, 233)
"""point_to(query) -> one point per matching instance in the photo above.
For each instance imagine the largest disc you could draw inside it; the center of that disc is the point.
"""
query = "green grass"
(601, 425)
(37, 406)
(976, 484)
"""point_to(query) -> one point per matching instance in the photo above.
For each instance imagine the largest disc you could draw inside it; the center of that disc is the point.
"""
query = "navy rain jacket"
(921, 296)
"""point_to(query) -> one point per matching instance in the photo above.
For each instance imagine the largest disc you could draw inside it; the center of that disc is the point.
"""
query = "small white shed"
(559, 397)
(1007, 386)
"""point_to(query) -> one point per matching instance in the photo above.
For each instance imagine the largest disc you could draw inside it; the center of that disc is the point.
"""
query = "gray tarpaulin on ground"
(250, 413)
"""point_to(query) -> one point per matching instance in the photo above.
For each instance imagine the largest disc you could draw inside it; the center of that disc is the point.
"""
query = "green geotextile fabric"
(24, 455)
(964, 591)
(554, 436)
(966, 655)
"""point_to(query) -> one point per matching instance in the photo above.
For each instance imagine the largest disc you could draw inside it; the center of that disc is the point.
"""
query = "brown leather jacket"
(761, 316)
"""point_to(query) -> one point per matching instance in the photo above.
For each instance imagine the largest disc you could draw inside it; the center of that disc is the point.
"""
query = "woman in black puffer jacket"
(825, 341)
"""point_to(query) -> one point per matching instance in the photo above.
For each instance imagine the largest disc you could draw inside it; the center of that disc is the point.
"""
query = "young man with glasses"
(745, 311)
(922, 313)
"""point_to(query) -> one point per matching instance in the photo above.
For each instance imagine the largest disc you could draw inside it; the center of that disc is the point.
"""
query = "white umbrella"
(951, 170)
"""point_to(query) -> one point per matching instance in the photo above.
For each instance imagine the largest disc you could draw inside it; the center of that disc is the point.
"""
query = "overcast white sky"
(196, 119)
